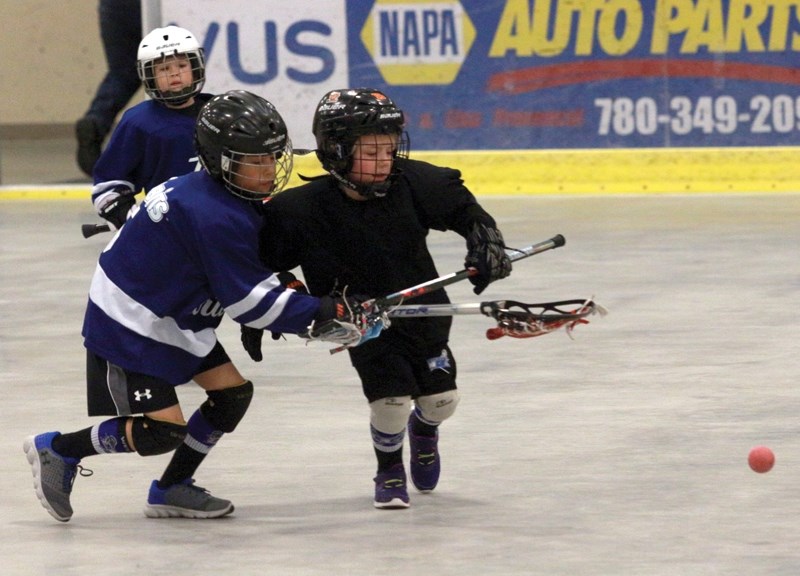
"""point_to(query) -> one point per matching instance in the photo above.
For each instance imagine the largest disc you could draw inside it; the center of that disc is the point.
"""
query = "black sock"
(75, 444)
(185, 462)
(420, 428)
(388, 459)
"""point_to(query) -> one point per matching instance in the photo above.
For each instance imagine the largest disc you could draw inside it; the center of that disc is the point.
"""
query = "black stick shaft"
(555, 242)
(89, 230)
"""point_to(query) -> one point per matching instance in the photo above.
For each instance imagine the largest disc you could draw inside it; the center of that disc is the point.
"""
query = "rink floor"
(621, 452)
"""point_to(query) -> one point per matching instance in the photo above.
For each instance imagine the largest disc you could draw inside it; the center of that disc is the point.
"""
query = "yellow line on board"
(625, 171)
(46, 192)
(561, 172)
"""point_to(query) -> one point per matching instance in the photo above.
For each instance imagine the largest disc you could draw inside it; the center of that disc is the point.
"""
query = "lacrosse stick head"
(519, 320)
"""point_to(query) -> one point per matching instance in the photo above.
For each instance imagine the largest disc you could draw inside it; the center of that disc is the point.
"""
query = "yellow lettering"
(584, 39)
(513, 31)
(606, 31)
(796, 35)
(548, 28)
(671, 17)
(779, 29)
(780, 25)
(744, 18)
(542, 9)
(707, 28)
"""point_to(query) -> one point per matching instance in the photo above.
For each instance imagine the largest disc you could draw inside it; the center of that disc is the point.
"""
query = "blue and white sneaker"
(390, 489)
(184, 500)
(426, 465)
(53, 474)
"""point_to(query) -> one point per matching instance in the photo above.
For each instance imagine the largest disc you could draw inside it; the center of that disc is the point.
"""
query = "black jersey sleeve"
(441, 199)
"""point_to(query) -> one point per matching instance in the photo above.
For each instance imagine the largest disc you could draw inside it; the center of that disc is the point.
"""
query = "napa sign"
(418, 42)
(508, 74)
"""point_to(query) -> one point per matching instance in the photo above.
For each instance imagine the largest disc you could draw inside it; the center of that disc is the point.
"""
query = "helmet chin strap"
(378, 190)
(178, 98)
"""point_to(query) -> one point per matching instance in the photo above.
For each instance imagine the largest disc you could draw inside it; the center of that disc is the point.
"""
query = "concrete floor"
(621, 452)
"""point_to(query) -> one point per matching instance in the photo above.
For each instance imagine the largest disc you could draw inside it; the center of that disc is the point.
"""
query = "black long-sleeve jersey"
(373, 247)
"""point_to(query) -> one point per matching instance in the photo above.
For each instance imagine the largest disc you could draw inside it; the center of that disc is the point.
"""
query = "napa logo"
(418, 42)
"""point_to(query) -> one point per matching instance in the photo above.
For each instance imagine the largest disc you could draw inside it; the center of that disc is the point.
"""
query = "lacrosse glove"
(251, 341)
(343, 321)
(487, 255)
(341, 308)
(251, 337)
(116, 210)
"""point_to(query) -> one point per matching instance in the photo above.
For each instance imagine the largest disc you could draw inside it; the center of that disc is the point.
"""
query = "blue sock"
(109, 437)
(201, 436)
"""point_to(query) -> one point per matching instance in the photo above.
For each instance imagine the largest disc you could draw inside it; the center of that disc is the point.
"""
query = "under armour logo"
(139, 395)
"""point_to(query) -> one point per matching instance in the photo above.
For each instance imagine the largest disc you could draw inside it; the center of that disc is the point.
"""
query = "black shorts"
(114, 391)
(399, 373)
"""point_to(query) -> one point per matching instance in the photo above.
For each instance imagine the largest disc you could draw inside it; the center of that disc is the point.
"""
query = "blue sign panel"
(538, 74)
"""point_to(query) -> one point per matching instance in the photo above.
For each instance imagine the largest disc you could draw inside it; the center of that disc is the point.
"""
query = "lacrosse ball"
(761, 459)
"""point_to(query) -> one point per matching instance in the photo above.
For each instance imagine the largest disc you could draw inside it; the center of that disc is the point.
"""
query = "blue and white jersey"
(151, 144)
(164, 281)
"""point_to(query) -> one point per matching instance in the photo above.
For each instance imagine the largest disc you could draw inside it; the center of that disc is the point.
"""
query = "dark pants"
(121, 32)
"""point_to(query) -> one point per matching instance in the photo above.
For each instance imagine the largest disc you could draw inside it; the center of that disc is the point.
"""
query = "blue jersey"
(151, 144)
(164, 281)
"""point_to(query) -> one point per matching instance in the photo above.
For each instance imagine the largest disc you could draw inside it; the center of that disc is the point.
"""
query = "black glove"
(289, 280)
(251, 340)
(342, 308)
(486, 253)
(116, 211)
(251, 337)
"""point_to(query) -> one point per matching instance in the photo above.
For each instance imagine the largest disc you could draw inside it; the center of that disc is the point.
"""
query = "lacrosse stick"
(89, 230)
(376, 307)
(514, 319)
(431, 285)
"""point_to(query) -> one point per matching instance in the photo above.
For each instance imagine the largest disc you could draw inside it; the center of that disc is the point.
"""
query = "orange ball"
(761, 459)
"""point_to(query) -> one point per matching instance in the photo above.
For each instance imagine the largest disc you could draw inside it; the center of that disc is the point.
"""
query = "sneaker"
(89, 142)
(425, 462)
(53, 474)
(184, 500)
(390, 488)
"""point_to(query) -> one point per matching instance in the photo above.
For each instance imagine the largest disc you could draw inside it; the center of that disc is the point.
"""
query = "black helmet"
(344, 115)
(234, 127)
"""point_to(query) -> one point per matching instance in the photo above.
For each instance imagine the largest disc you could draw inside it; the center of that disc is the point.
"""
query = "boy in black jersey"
(363, 227)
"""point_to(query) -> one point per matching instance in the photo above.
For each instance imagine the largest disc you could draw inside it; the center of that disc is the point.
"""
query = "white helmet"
(170, 41)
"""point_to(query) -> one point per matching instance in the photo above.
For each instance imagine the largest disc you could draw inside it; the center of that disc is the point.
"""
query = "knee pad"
(389, 415)
(224, 409)
(437, 408)
(152, 437)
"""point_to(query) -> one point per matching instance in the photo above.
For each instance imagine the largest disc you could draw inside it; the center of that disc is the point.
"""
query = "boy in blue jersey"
(153, 140)
(159, 291)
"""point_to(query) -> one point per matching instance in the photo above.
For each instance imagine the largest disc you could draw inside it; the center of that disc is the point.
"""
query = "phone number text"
(707, 114)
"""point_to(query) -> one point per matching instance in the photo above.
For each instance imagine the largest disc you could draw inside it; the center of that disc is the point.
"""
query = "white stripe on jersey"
(275, 310)
(256, 295)
(136, 317)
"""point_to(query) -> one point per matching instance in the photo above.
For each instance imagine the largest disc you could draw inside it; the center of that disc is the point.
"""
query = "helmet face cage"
(342, 116)
(274, 168)
(243, 142)
(163, 43)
